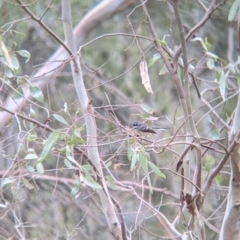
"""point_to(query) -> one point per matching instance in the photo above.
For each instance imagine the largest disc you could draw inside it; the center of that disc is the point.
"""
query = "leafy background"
(57, 204)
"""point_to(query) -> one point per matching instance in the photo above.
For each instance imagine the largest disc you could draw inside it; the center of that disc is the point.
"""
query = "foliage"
(57, 167)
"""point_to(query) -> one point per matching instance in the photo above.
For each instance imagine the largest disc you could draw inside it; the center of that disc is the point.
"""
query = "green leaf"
(147, 109)
(109, 164)
(163, 43)
(15, 62)
(77, 132)
(86, 168)
(163, 71)
(30, 169)
(75, 192)
(76, 182)
(222, 85)
(49, 144)
(143, 162)
(218, 179)
(210, 119)
(214, 134)
(233, 10)
(21, 80)
(60, 118)
(32, 113)
(31, 150)
(231, 67)
(32, 137)
(210, 64)
(40, 168)
(74, 141)
(7, 181)
(212, 55)
(69, 157)
(68, 164)
(24, 54)
(143, 152)
(156, 169)
(201, 41)
(133, 160)
(130, 152)
(207, 43)
(111, 182)
(18, 93)
(143, 159)
(91, 183)
(209, 162)
(8, 72)
(152, 60)
(31, 156)
(28, 184)
(37, 94)
(218, 75)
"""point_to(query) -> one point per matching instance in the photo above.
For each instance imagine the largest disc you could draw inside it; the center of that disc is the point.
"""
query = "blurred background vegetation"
(41, 208)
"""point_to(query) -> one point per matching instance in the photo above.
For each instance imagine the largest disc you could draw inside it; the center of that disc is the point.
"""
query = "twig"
(44, 26)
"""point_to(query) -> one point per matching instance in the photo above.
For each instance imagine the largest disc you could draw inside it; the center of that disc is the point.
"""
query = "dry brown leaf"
(7, 56)
(145, 76)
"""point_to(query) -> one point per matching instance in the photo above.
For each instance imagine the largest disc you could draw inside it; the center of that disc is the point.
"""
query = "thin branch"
(193, 129)
(167, 225)
(156, 41)
(44, 26)
(88, 112)
(207, 15)
(45, 126)
(220, 165)
(46, 10)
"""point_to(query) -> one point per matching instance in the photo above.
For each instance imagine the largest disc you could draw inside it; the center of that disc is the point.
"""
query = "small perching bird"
(142, 127)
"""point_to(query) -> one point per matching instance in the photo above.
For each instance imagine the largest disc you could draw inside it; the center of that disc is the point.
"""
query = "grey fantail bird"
(142, 127)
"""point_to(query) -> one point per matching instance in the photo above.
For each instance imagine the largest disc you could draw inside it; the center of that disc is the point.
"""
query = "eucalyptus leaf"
(222, 85)
(40, 168)
(152, 60)
(49, 144)
(156, 169)
(133, 160)
(8, 181)
(28, 184)
(233, 10)
(68, 164)
(210, 64)
(60, 118)
(209, 162)
(25, 54)
(91, 183)
(31, 156)
(148, 109)
(69, 156)
(201, 41)
(30, 169)
(36, 93)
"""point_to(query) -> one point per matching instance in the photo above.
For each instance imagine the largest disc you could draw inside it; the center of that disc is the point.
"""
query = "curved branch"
(104, 10)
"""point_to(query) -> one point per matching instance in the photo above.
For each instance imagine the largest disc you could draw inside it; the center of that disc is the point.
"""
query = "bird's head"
(136, 124)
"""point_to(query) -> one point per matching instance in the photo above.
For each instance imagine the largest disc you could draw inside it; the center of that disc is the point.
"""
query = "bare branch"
(44, 26)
